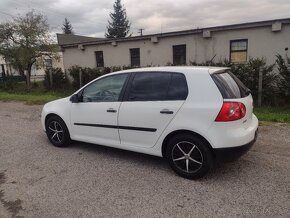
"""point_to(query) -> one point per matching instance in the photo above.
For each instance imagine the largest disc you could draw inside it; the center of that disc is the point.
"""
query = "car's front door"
(95, 118)
(151, 102)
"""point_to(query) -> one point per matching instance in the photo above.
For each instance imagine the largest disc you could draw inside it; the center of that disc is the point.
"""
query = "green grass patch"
(36, 94)
(273, 114)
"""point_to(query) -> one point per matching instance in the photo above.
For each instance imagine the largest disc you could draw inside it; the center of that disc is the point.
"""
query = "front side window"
(135, 57)
(158, 86)
(107, 89)
(238, 51)
(179, 54)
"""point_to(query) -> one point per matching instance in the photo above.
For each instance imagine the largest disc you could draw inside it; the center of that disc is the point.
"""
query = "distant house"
(236, 43)
(38, 69)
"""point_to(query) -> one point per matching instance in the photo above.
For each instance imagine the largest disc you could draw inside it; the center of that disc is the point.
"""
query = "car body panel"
(197, 114)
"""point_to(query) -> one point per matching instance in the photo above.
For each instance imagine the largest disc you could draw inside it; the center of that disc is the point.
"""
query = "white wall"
(262, 42)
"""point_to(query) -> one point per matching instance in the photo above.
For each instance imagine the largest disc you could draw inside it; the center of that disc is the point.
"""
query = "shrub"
(283, 82)
(249, 74)
(88, 74)
(59, 79)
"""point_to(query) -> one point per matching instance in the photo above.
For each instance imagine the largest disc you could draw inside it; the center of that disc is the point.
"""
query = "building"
(37, 70)
(236, 43)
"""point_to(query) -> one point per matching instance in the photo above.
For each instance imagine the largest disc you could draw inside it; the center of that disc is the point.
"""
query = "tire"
(189, 156)
(57, 131)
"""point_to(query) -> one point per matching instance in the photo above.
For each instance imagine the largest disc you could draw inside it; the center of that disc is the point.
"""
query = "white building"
(236, 43)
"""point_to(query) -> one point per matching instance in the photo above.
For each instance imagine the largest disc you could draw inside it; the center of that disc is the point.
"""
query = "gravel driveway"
(84, 180)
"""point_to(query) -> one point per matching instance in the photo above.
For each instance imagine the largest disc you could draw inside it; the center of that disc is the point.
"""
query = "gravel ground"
(84, 180)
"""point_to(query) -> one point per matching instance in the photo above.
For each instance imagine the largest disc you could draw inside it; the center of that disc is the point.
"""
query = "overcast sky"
(89, 17)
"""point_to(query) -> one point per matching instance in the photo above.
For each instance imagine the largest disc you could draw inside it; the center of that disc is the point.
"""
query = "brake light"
(231, 111)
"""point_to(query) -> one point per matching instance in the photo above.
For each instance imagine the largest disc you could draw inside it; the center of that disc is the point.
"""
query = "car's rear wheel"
(189, 156)
(57, 131)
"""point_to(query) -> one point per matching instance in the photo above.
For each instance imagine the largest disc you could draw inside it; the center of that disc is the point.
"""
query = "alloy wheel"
(55, 132)
(187, 157)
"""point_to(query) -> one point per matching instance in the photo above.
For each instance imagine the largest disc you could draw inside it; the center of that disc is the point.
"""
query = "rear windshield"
(229, 85)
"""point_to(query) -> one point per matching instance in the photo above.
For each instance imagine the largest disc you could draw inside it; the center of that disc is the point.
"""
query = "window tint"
(151, 86)
(105, 90)
(178, 87)
(158, 86)
(229, 85)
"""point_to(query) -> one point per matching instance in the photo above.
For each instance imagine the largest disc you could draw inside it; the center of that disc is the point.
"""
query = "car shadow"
(220, 171)
(120, 154)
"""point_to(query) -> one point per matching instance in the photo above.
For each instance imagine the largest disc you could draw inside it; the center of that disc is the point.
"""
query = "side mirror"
(75, 98)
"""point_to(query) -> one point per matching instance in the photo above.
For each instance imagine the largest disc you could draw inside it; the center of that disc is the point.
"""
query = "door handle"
(166, 111)
(111, 110)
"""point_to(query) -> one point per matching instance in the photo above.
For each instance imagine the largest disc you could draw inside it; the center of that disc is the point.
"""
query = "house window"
(99, 58)
(179, 54)
(135, 57)
(238, 51)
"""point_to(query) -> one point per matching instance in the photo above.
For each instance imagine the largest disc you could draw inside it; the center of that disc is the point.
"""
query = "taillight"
(231, 111)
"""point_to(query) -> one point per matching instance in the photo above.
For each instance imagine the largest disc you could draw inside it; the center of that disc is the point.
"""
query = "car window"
(107, 89)
(149, 86)
(158, 86)
(178, 87)
(229, 85)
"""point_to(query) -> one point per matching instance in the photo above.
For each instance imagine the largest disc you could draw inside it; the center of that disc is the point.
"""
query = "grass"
(37, 94)
(273, 114)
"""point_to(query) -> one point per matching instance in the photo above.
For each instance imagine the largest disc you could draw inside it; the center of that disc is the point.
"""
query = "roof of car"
(182, 69)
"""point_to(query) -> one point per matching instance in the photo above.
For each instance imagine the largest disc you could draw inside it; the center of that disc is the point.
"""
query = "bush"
(59, 79)
(249, 74)
(283, 82)
(88, 74)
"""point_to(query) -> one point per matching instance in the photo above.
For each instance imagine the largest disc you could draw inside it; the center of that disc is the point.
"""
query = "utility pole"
(141, 31)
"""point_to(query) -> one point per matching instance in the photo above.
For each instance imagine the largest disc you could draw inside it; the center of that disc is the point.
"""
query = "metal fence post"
(260, 88)
(80, 74)
(50, 78)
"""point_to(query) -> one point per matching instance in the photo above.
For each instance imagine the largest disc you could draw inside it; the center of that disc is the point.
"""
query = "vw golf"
(192, 116)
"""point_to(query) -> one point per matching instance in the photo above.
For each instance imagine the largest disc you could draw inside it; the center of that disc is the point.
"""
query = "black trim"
(118, 127)
(233, 153)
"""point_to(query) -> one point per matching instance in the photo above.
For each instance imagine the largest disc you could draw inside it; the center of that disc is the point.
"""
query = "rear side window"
(178, 87)
(158, 86)
(229, 85)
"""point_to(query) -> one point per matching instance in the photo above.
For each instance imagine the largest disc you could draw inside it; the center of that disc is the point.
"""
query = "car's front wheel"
(57, 131)
(189, 156)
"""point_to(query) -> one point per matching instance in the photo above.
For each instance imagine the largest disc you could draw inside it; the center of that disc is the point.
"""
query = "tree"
(283, 65)
(67, 27)
(24, 41)
(119, 27)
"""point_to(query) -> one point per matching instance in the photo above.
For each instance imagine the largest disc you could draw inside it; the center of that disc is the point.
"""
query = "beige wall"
(262, 42)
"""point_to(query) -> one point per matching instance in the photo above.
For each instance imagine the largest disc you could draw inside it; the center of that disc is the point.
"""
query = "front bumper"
(233, 153)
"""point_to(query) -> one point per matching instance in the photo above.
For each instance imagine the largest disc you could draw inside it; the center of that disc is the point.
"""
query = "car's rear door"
(151, 101)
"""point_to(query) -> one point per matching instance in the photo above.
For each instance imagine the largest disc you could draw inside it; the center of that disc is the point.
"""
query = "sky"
(90, 17)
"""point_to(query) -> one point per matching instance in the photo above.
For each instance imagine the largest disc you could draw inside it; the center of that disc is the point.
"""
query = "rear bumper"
(233, 153)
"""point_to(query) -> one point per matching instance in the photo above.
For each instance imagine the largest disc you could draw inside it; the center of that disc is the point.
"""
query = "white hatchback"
(192, 116)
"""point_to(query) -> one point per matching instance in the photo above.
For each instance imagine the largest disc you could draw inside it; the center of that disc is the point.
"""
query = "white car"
(192, 116)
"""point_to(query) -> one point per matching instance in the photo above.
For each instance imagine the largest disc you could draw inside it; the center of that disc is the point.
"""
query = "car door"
(95, 118)
(151, 101)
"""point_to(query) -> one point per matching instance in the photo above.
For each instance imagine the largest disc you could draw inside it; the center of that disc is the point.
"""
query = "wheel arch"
(182, 131)
(51, 115)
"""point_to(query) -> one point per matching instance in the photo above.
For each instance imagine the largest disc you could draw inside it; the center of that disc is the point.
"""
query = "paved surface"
(84, 180)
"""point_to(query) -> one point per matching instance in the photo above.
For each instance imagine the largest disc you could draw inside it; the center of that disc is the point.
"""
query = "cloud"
(89, 17)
